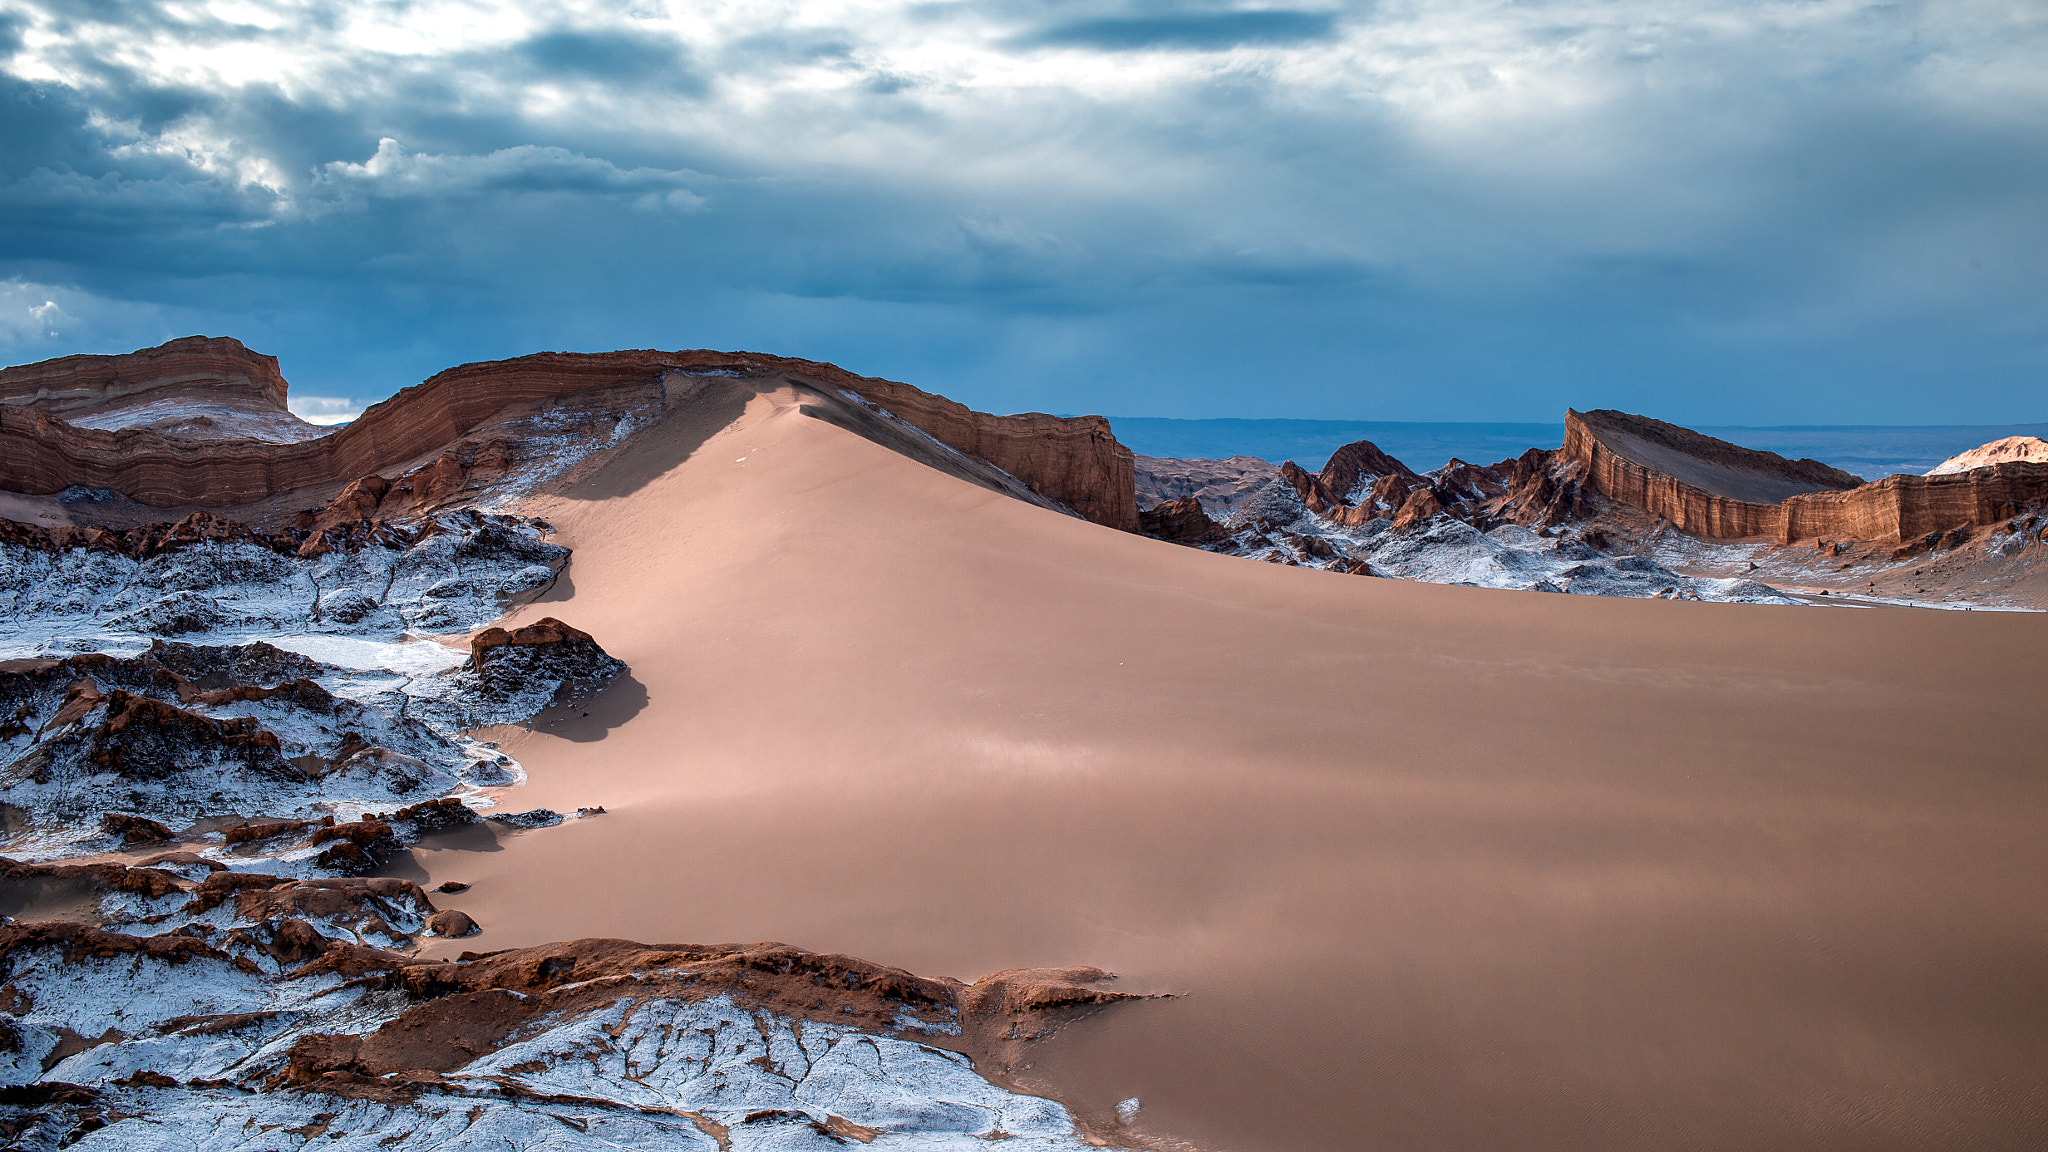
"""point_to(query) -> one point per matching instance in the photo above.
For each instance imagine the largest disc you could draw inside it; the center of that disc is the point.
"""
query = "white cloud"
(325, 410)
(392, 172)
(40, 320)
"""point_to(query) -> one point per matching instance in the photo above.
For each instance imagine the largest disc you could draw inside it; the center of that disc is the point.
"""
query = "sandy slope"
(1439, 867)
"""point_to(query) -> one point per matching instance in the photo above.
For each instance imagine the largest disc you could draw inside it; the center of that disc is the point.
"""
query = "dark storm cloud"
(1721, 221)
(623, 58)
(1196, 31)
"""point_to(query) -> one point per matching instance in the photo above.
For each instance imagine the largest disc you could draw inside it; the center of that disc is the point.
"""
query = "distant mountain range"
(1869, 451)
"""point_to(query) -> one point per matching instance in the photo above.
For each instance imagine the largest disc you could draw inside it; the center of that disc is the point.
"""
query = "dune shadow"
(697, 409)
(585, 719)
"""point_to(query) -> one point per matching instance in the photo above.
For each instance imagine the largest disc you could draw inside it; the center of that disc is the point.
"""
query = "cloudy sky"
(1716, 211)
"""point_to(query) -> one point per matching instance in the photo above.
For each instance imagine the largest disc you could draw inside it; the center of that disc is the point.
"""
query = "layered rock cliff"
(1075, 461)
(220, 365)
(1708, 487)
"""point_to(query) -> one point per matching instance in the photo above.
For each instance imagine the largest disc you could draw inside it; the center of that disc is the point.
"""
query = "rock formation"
(218, 367)
(507, 665)
(198, 388)
(1182, 521)
(1711, 488)
(2011, 450)
(1075, 461)
(303, 1020)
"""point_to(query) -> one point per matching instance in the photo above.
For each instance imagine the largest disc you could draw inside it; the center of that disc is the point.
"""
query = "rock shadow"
(481, 837)
(585, 719)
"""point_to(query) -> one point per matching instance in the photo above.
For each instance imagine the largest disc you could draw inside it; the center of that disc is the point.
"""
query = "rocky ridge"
(1611, 511)
(196, 388)
(1074, 461)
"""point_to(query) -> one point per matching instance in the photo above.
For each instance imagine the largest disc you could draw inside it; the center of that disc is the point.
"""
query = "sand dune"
(1436, 867)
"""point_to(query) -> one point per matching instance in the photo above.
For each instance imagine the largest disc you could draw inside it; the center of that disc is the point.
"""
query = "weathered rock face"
(198, 388)
(1904, 507)
(1711, 488)
(1073, 460)
(219, 366)
(1704, 486)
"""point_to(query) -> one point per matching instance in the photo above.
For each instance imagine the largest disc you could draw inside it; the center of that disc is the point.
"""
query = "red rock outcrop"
(1073, 460)
(1708, 487)
(1703, 486)
(216, 365)
(1353, 467)
(546, 650)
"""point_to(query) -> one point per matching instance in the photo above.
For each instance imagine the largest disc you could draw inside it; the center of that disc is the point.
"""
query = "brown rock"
(2011, 450)
(546, 630)
(435, 815)
(1356, 466)
(452, 924)
(1181, 521)
(134, 829)
(255, 831)
(1420, 506)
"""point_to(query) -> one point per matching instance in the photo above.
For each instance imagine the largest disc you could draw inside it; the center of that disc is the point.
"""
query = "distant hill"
(1868, 451)
(1310, 442)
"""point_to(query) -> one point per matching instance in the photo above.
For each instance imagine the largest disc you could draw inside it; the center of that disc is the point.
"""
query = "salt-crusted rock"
(592, 1044)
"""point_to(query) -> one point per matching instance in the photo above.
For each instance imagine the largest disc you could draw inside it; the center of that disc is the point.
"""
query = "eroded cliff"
(1708, 487)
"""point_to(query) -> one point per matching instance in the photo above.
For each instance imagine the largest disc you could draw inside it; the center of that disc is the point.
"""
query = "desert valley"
(714, 750)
